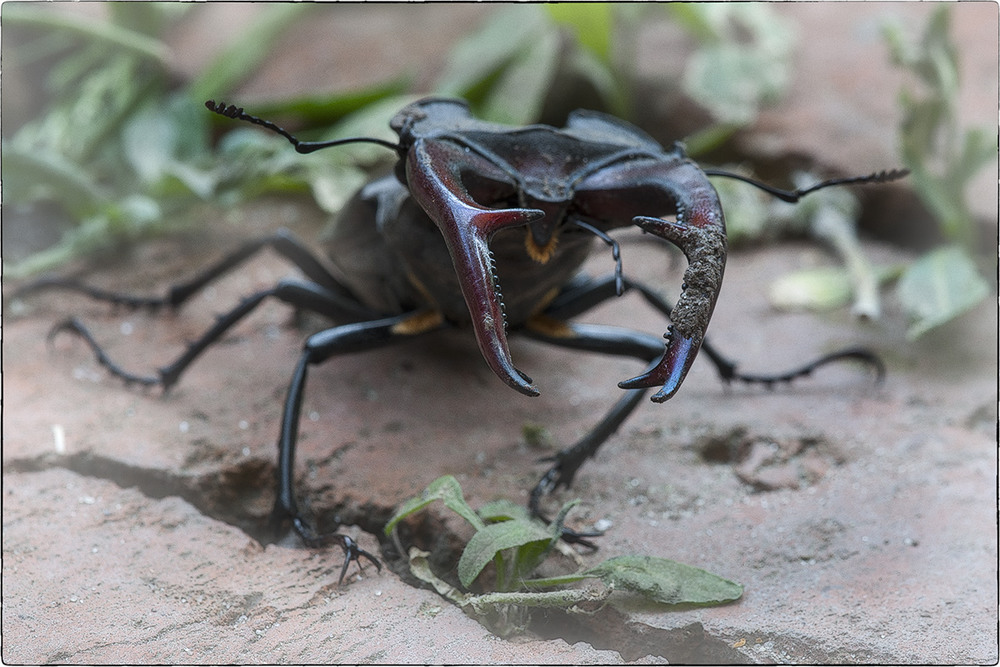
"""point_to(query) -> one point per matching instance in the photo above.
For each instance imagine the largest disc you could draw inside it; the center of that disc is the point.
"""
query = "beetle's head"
(423, 117)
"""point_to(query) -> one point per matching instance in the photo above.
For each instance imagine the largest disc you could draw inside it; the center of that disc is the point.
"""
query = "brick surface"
(861, 520)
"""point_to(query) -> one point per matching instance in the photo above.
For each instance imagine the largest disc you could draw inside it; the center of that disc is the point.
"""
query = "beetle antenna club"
(237, 113)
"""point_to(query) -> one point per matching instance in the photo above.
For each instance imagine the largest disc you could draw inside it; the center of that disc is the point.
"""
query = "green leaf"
(149, 141)
(332, 187)
(119, 38)
(709, 139)
(503, 510)
(692, 18)
(479, 57)
(749, 216)
(420, 567)
(979, 148)
(39, 173)
(744, 61)
(329, 107)
(148, 18)
(666, 581)
(941, 156)
(519, 93)
(568, 599)
(444, 488)
(609, 82)
(938, 287)
(592, 24)
(370, 121)
(558, 580)
(938, 61)
(492, 539)
(733, 83)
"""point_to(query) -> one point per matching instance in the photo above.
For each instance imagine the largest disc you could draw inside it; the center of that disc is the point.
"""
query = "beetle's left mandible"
(700, 232)
(674, 182)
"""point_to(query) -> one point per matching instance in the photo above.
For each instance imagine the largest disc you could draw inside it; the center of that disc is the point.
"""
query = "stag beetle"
(503, 217)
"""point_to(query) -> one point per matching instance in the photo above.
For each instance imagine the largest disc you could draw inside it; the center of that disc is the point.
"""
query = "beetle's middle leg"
(584, 295)
(303, 295)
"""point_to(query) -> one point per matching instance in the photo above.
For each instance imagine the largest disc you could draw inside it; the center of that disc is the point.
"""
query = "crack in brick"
(239, 495)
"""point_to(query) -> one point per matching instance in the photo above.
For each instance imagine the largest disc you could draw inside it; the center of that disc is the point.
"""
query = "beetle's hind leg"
(344, 339)
(728, 373)
(282, 242)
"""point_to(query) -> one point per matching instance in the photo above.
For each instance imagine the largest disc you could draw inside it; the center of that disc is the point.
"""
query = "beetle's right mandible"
(433, 173)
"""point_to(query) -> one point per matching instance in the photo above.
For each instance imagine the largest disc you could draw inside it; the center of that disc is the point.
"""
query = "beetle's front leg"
(566, 462)
(318, 348)
(589, 338)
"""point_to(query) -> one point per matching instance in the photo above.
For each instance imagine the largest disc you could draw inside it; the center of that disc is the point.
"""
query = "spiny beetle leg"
(282, 242)
(861, 355)
(569, 460)
(74, 326)
(590, 338)
(129, 301)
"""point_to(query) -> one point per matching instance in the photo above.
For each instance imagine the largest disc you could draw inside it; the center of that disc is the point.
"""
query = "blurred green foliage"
(943, 158)
(124, 150)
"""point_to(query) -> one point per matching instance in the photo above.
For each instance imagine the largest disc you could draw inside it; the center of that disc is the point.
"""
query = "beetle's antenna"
(615, 252)
(237, 113)
(792, 196)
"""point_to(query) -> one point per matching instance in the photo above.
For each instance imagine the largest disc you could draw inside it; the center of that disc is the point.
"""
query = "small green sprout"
(517, 544)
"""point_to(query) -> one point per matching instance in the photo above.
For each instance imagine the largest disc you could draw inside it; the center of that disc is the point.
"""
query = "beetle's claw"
(573, 537)
(352, 552)
(553, 479)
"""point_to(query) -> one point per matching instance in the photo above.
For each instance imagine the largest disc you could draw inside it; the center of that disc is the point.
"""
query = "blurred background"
(106, 140)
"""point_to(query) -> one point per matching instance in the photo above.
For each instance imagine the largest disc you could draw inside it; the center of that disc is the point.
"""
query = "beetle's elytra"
(486, 226)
